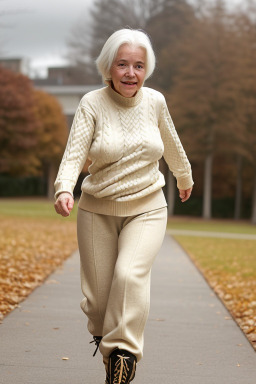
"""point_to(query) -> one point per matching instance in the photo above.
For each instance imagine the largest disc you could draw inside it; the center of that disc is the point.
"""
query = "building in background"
(15, 64)
(68, 85)
(68, 96)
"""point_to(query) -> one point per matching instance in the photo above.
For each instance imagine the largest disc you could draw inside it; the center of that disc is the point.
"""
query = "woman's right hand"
(64, 204)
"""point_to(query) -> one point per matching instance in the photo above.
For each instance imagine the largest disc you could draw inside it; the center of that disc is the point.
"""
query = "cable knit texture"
(124, 138)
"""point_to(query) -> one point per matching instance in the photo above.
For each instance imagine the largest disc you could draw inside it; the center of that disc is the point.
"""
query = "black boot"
(96, 340)
(121, 367)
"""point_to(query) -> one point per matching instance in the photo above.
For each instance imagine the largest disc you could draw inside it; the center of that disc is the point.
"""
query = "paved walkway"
(189, 339)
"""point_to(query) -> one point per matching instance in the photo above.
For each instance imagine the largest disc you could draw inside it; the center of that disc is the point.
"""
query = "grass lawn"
(229, 266)
(34, 240)
(32, 207)
(197, 224)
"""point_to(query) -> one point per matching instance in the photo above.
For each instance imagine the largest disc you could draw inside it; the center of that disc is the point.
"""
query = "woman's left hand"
(185, 194)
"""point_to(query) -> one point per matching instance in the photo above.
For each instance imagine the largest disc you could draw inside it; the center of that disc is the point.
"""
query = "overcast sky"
(40, 28)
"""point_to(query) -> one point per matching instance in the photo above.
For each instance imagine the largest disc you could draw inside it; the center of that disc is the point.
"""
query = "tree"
(79, 46)
(111, 15)
(18, 125)
(167, 28)
(206, 94)
(87, 39)
(33, 129)
(51, 134)
(245, 22)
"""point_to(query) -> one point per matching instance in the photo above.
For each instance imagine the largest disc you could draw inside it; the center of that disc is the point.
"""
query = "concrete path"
(189, 339)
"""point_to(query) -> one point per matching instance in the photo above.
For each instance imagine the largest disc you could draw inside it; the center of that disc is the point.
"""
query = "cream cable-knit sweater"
(124, 138)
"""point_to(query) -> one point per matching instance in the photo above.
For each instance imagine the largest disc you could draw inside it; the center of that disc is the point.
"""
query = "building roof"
(68, 89)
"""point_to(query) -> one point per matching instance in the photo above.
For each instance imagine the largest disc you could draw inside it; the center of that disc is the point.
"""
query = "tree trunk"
(171, 189)
(254, 200)
(207, 198)
(238, 198)
(51, 176)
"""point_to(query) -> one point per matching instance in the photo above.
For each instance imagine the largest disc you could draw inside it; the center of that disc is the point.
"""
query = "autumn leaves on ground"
(34, 241)
(228, 265)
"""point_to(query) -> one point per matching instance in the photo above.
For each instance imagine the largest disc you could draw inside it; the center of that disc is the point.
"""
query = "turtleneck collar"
(125, 101)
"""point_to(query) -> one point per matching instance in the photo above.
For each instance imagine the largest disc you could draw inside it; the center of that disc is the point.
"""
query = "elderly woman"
(124, 128)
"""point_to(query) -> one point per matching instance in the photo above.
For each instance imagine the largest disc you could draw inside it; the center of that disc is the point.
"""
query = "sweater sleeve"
(76, 152)
(174, 153)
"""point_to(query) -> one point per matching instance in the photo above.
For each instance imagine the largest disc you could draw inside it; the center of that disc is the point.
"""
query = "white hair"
(109, 51)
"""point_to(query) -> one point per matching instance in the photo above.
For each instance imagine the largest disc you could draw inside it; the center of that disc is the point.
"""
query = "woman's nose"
(131, 71)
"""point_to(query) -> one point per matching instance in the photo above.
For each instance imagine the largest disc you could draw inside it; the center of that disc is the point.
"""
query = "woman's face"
(128, 70)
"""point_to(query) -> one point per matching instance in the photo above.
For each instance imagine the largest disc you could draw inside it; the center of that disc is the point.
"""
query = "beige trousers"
(117, 254)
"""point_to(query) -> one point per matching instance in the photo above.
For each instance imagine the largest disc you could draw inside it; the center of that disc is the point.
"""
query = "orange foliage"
(33, 129)
(18, 125)
(53, 131)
